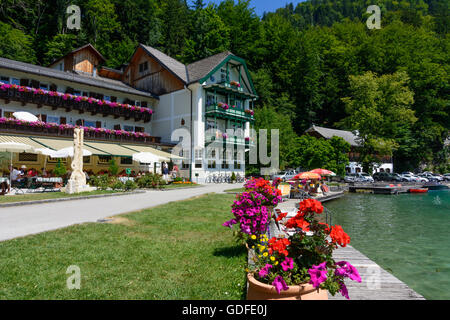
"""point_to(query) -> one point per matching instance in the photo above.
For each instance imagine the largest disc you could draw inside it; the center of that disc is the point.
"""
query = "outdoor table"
(47, 183)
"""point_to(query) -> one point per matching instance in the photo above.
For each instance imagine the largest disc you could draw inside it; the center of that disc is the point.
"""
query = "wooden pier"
(376, 284)
(378, 190)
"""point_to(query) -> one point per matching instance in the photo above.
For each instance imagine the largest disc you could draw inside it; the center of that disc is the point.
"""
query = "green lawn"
(237, 190)
(50, 195)
(175, 251)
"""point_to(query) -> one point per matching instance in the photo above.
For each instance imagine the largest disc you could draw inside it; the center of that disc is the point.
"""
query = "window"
(126, 160)
(185, 165)
(210, 99)
(88, 123)
(28, 157)
(128, 128)
(211, 164)
(8, 114)
(198, 164)
(107, 98)
(86, 159)
(15, 81)
(4, 79)
(43, 86)
(77, 93)
(104, 159)
(143, 66)
(60, 67)
(53, 119)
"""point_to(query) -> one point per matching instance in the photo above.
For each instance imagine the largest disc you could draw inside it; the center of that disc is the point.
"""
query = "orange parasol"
(323, 172)
(307, 176)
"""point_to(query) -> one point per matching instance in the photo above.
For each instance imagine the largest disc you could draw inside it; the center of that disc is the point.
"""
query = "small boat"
(423, 190)
(435, 186)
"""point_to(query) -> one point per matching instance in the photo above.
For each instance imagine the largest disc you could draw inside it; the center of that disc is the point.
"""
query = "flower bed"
(67, 100)
(67, 129)
(303, 255)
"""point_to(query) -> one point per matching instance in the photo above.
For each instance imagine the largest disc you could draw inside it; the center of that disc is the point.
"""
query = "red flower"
(279, 245)
(338, 236)
(311, 205)
(281, 216)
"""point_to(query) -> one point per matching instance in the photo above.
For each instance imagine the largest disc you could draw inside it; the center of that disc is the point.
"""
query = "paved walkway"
(25, 220)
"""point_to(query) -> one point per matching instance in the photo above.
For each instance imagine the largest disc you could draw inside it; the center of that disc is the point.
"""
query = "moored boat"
(435, 186)
(422, 190)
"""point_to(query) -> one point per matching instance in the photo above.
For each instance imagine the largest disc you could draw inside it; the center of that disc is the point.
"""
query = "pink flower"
(279, 284)
(287, 264)
(318, 274)
(264, 271)
(348, 271)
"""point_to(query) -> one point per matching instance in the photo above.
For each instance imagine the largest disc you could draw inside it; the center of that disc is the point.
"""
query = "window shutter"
(24, 82)
(113, 99)
(53, 87)
(98, 124)
(63, 120)
(1, 112)
(144, 104)
(43, 117)
(79, 122)
(117, 127)
(69, 90)
(139, 129)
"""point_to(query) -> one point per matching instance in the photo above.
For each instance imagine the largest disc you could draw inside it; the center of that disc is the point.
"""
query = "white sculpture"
(77, 181)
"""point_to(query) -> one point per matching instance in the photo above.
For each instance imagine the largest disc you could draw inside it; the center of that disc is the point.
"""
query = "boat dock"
(376, 284)
(379, 190)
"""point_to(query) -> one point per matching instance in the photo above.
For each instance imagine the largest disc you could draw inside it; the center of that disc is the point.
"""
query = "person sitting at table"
(15, 174)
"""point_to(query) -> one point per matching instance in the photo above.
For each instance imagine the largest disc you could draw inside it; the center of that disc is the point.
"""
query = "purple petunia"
(280, 284)
(318, 274)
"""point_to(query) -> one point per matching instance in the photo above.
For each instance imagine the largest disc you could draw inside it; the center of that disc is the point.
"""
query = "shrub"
(60, 169)
(113, 167)
(150, 180)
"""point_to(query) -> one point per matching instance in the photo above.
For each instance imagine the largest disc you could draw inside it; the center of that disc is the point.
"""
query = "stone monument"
(77, 181)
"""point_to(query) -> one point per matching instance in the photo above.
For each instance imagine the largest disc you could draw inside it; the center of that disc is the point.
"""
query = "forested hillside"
(314, 63)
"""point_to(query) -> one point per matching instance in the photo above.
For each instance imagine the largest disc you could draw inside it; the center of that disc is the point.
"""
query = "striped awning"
(19, 139)
(157, 152)
(58, 144)
(110, 148)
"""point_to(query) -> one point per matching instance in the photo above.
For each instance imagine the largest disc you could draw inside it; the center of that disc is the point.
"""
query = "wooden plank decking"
(376, 284)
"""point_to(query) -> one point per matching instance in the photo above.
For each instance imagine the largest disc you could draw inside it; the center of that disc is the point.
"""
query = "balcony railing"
(223, 110)
(71, 102)
(230, 140)
(14, 126)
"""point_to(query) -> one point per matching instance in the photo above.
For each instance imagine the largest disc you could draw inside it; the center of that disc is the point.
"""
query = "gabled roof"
(89, 46)
(196, 71)
(101, 82)
(328, 133)
(200, 69)
(174, 66)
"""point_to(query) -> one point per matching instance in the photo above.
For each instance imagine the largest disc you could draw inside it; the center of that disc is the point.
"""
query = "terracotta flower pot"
(261, 291)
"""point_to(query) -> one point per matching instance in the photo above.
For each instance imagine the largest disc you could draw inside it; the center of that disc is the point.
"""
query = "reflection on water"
(407, 234)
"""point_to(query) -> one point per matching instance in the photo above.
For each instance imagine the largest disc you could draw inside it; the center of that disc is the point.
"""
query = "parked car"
(285, 175)
(358, 177)
(431, 177)
(385, 176)
(365, 177)
(409, 177)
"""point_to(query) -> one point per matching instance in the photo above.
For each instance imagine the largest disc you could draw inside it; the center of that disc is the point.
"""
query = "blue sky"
(264, 5)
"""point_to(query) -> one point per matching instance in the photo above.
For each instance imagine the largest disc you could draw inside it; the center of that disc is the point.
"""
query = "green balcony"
(230, 113)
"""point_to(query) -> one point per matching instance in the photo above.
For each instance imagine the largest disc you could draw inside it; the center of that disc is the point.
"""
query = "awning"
(20, 139)
(113, 149)
(58, 144)
(151, 150)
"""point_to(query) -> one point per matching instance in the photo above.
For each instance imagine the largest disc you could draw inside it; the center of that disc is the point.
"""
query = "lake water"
(407, 235)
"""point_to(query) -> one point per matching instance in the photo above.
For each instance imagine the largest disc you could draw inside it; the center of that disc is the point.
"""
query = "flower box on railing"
(65, 100)
(39, 127)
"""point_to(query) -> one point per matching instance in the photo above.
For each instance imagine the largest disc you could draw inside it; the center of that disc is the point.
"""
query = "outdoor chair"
(285, 191)
(18, 186)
